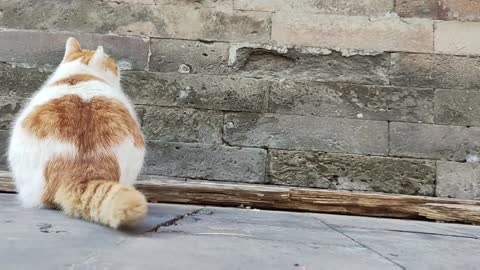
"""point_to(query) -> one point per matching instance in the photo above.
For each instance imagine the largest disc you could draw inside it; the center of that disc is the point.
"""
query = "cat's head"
(97, 61)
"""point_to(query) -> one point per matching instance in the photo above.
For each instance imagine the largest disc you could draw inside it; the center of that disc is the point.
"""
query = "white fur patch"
(28, 155)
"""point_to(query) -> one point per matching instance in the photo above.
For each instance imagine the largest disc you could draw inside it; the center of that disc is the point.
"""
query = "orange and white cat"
(77, 144)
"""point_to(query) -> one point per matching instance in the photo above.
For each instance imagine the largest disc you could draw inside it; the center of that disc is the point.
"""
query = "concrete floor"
(199, 238)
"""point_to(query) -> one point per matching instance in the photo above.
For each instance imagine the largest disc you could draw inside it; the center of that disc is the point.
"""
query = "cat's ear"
(97, 58)
(71, 46)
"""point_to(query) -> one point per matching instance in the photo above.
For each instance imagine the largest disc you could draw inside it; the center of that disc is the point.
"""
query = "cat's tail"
(105, 202)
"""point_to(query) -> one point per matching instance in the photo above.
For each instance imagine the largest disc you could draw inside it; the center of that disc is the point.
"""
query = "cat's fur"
(77, 144)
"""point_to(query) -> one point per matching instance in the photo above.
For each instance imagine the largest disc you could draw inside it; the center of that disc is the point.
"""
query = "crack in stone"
(173, 221)
(437, 234)
(361, 244)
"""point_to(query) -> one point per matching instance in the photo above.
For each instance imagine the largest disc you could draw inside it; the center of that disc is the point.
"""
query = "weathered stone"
(460, 108)
(353, 32)
(201, 57)
(353, 101)
(312, 65)
(456, 72)
(438, 71)
(20, 82)
(352, 172)
(459, 38)
(4, 135)
(213, 162)
(411, 69)
(196, 4)
(198, 91)
(306, 133)
(414, 8)
(345, 7)
(167, 21)
(433, 141)
(182, 125)
(9, 107)
(464, 10)
(43, 48)
(458, 180)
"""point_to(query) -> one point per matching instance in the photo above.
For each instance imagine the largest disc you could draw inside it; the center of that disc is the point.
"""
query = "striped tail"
(105, 202)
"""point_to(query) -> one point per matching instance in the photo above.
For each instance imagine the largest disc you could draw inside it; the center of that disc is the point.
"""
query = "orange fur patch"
(86, 56)
(90, 125)
(68, 172)
(76, 79)
(90, 189)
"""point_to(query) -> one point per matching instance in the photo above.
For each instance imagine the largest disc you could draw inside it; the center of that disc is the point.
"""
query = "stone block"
(312, 65)
(353, 101)
(9, 108)
(306, 133)
(456, 107)
(437, 71)
(433, 141)
(212, 162)
(344, 7)
(459, 38)
(4, 135)
(353, 32)
(352, 172)
(458, 180)
(456, 72)
(195, 4)
(411, 69)
(198, 91)
(182, 125)
(166, 21)
(43, 48)
(20, 82)
(186, 56)
(463, 10)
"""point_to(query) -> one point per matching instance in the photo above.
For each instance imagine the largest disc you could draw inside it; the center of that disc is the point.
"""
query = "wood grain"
(163, 190)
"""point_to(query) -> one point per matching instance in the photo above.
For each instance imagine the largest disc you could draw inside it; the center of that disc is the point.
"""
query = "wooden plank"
(302, 199)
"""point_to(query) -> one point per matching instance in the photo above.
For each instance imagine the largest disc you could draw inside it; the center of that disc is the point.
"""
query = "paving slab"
(199, 237)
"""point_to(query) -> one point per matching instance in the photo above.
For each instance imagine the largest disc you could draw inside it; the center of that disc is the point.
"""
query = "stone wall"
(364, 95)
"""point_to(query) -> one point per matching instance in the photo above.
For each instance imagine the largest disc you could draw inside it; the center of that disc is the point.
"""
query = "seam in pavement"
(361, 244)
(174, 221)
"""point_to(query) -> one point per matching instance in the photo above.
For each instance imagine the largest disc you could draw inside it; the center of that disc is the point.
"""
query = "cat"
(77, 144)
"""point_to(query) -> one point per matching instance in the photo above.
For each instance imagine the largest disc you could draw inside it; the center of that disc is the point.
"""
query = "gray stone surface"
(182, 125)
(9, 107)
(4, 134)
(462, 10)
(353, 101)
(20, 82)
(433, 141)
(43, 48)
(198, 91)
(414, 8)
(213, 162)
(437, 71)
(306, 133)
(455, 107)
(352, 172)
(420, 251)
(346, 7)
(200, 57)
(411, 69)
(192, 237)
(456, 72)
(305, 64)
(195, 4)
(458, 180)
(167, 21)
